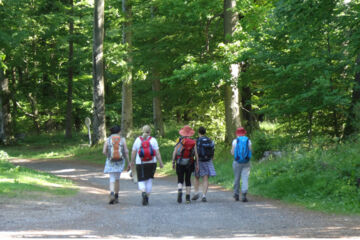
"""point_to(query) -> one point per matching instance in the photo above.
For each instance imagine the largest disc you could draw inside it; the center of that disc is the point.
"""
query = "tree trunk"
(13, 101)
(99, 130)
(69, 117)
(352, 119)
(127, 106)
(6, 114)
(231, 91)
(157, 114)
(34, 112)
(246, 111)
(310, 135)
(2, 120)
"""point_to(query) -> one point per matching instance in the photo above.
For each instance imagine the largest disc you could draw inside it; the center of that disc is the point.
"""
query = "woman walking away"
(116, 152)
(241, 149)
(147, 153)
(205, 148)
(183, 154)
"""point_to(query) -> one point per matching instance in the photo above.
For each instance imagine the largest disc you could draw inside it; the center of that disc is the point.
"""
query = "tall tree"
(5, 121)
(127, 103)
(98, 74)
(232, 99)
(156, 85)
(352, 123)
(69, 105)
(157, 114)
(2, 131)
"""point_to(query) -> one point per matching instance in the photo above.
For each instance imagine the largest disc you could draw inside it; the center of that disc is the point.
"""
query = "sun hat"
(186, 131)
(240, 131)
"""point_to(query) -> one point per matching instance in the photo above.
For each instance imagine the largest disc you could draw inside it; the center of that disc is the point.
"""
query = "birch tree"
(98, 74)
(231, 91)
(127, 105)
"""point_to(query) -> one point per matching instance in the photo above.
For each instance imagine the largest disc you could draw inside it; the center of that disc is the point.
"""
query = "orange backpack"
(115, 149)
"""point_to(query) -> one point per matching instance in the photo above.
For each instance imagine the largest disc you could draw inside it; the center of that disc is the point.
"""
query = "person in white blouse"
(146, 163)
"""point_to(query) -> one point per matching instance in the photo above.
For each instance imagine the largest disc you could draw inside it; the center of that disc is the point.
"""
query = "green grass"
(318, 179)
(16, 181)
(323, 180)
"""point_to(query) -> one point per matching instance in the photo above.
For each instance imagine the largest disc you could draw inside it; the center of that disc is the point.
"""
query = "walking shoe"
(236, 197)
(203, 199)
(179, 198)
(144, 199)
(116, 198)
(195, 197)
(112, 198)
(187, 198)
(244, 199)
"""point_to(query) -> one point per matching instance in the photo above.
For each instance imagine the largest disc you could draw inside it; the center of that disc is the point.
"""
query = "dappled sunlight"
(66, 171)
(93, 190)
(48, 234)
(264, 206)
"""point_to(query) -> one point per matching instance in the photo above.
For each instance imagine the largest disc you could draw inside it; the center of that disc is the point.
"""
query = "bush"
(318, 179)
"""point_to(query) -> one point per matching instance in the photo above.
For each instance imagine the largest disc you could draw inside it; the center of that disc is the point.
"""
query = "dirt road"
(87, 214)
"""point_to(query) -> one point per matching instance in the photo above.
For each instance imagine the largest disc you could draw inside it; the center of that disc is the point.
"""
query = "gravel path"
(87, 214)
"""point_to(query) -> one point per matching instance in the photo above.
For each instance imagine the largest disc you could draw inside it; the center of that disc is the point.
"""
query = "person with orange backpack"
(116, 153)
(146, 153)
(183, 156)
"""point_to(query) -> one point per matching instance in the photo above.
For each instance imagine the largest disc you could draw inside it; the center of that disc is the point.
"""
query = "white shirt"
(137, 145)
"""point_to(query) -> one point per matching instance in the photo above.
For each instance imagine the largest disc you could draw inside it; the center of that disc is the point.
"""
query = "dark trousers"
(184, 172)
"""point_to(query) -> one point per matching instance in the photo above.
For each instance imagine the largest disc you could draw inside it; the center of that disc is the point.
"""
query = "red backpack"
(146, 151)
(185, 153)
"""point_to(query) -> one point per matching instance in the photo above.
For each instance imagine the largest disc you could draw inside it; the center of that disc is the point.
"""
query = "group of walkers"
(189, 156)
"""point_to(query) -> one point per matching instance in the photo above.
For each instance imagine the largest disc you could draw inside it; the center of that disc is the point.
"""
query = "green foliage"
(317, 179)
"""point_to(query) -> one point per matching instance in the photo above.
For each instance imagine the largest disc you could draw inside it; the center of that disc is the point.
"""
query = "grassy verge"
(325, 180)
(16, 181)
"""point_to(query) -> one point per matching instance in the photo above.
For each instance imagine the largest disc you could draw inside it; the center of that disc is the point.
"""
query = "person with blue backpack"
(241, 149)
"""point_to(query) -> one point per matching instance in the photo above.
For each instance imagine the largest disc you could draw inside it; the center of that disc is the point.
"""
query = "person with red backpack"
(183, 155)
(146, 152)
(116, 153)
(241, 149)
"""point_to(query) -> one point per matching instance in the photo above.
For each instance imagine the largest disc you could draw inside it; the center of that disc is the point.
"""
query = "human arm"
(197, 158)
(158, 157)
(174, 155)
(126, 151)
(233, 148)
(133, 156)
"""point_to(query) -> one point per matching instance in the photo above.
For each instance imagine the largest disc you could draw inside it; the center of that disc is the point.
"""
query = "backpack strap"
(143, 140)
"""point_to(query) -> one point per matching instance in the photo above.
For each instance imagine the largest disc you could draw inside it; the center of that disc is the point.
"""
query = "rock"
(271, 154)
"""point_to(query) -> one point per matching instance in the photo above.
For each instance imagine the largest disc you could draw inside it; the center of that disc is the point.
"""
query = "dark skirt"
(145, 171)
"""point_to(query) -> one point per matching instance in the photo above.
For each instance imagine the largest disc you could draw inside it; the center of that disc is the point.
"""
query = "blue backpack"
(242, 153)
